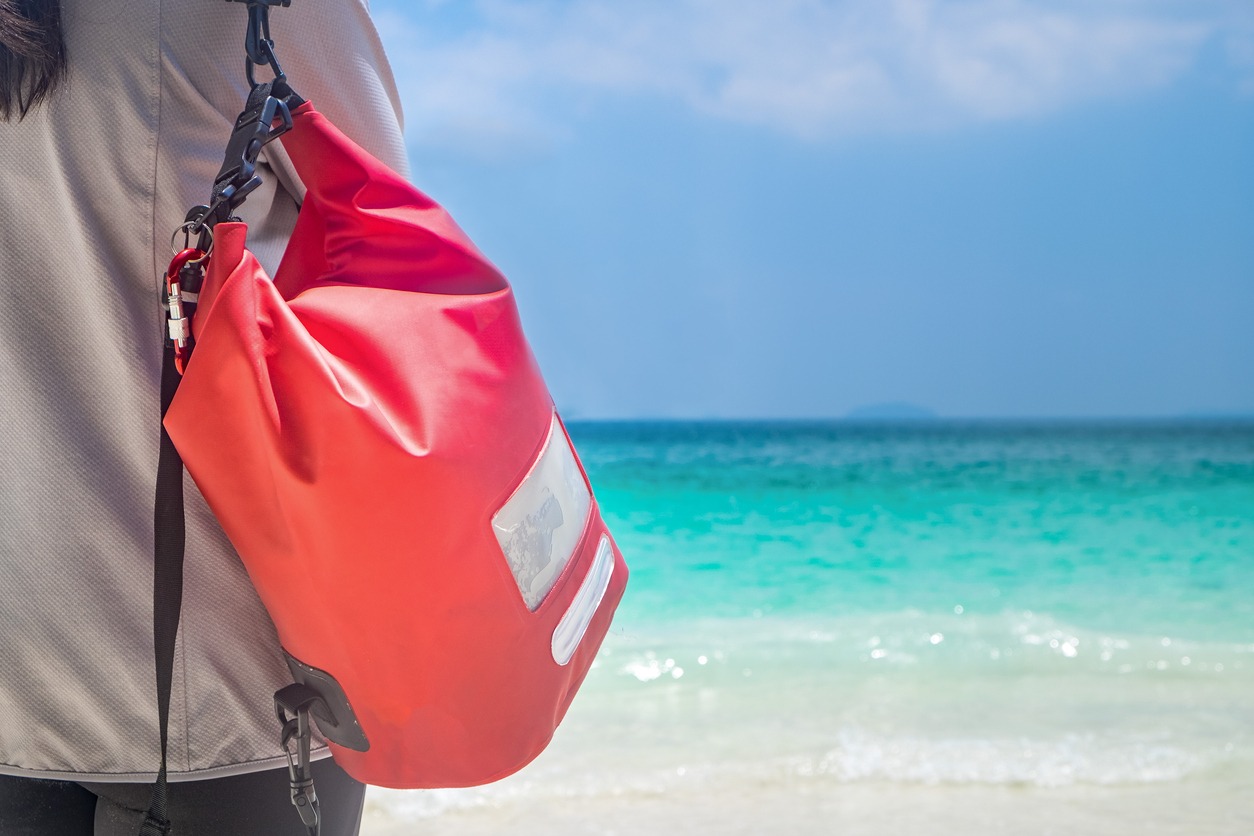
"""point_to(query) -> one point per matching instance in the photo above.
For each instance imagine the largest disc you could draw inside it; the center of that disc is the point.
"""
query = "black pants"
(257, 804)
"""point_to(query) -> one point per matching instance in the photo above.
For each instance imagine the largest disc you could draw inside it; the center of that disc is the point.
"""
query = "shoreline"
(1215, 804)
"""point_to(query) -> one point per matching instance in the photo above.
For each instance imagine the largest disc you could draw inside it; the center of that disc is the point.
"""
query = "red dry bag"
(372, 432)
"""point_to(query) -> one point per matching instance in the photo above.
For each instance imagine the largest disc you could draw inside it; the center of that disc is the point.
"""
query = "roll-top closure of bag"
(367, 219)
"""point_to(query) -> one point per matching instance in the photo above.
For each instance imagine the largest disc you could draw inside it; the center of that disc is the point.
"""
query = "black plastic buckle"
(253, 130)
(292, 706)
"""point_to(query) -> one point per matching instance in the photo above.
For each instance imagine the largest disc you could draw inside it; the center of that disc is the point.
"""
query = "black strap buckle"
(253, 130)
(292, 706)
(268, 103)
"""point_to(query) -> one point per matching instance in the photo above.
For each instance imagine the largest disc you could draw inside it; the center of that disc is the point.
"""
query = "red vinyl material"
(354, 424)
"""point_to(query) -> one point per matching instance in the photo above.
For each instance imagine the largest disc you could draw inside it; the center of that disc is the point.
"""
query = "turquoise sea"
(933, 627)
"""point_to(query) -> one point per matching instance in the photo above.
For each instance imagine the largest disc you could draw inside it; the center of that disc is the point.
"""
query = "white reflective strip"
(539, 526)
(575, 622)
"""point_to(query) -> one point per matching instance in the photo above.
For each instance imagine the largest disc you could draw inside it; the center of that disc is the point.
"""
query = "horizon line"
(1218, 417)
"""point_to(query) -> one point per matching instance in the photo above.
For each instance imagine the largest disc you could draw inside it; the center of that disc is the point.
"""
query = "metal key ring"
(186, 228)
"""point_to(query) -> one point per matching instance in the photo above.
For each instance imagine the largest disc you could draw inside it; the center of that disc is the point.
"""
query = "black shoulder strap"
(169, 537)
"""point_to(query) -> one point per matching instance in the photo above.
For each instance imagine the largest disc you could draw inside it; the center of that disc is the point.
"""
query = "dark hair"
(32, 54)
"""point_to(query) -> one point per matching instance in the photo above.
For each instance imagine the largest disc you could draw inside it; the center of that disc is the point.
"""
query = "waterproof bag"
(373, 434)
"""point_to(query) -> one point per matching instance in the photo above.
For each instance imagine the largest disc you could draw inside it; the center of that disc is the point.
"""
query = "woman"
(115, 116)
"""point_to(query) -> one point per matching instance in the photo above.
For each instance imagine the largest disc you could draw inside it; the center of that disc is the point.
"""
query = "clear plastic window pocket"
(539, 526)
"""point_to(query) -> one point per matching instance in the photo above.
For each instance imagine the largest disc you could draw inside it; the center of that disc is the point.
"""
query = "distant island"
(1219, 415)
(899, 411)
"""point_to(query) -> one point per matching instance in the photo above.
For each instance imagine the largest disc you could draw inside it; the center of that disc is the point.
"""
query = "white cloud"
(517, 72)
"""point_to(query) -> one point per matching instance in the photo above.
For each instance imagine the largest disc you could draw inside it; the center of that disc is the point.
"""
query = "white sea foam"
(953, 643)
(740, 709)
(1073, 759)
(859, 757)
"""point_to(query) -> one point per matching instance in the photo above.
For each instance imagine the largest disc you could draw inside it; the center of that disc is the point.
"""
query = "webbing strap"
(169, 539)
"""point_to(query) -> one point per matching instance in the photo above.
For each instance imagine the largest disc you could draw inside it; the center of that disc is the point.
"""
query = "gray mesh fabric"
(91, 186)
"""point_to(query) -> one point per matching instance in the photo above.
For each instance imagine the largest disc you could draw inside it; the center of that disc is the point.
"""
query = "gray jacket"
(91, 187)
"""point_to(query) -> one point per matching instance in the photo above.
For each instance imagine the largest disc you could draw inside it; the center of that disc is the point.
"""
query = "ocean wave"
(953, 644)
(738, 707)
(1074, 759)
(859, 757)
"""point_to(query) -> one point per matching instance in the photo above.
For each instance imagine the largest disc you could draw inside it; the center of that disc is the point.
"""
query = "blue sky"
(796, 208)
